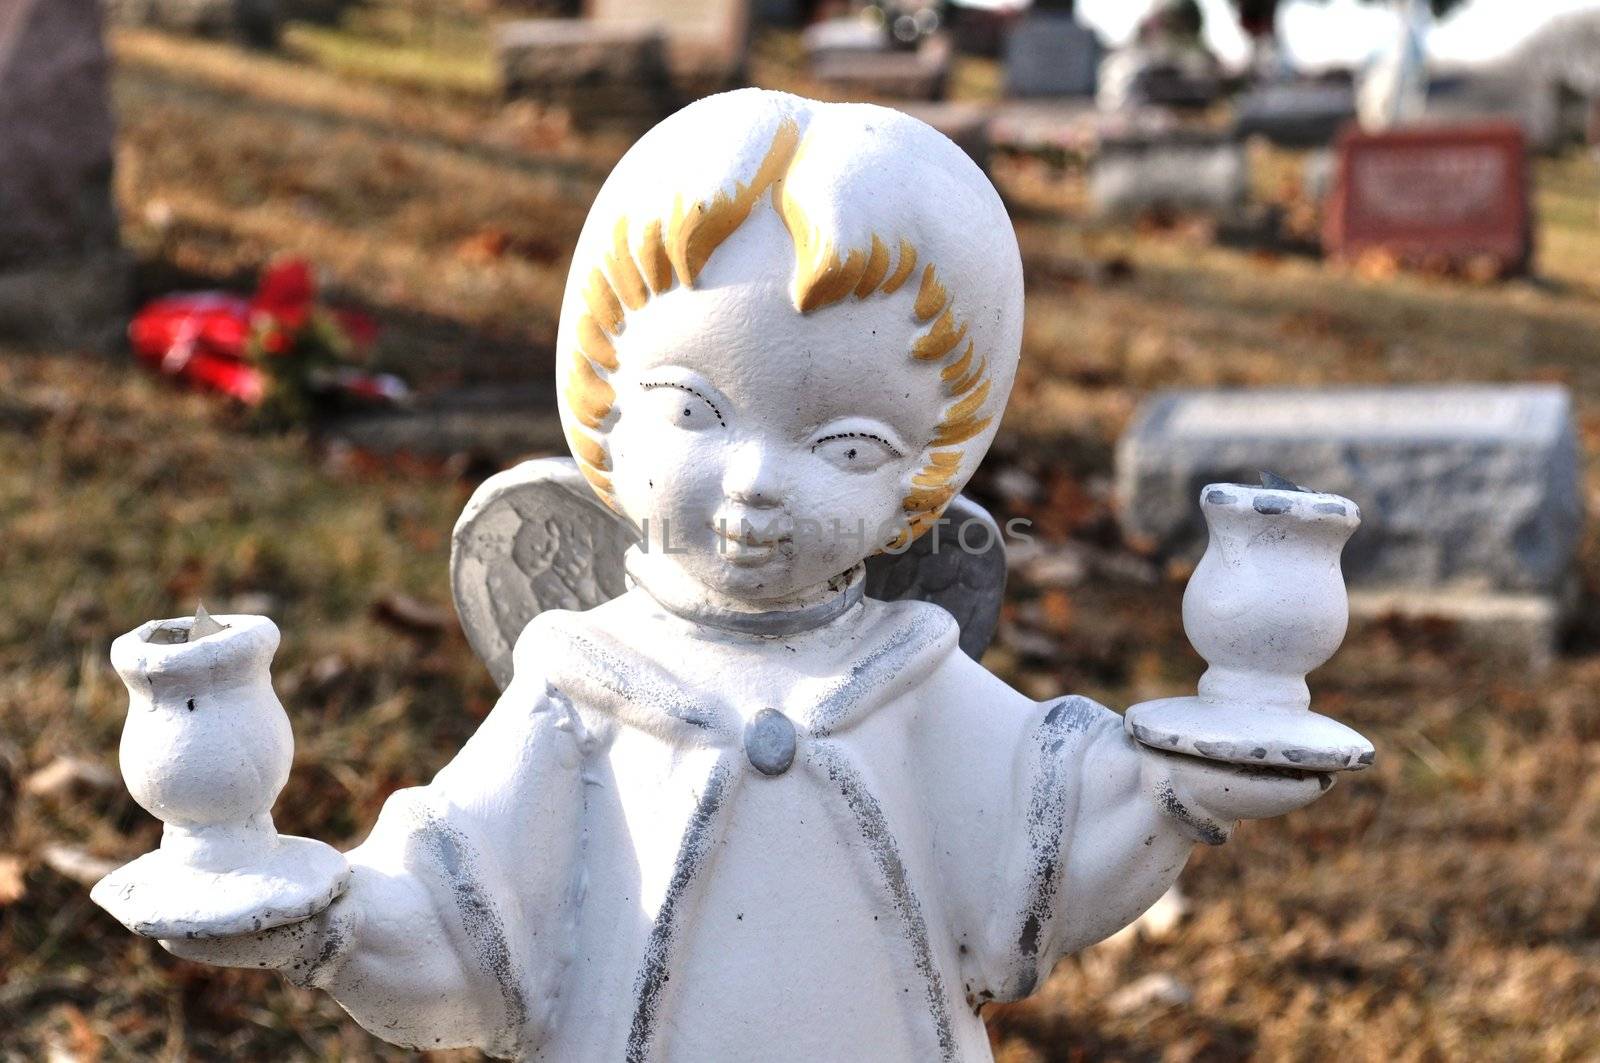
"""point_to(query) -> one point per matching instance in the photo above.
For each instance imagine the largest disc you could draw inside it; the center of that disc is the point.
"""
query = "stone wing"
(959, 565)
(532, 538)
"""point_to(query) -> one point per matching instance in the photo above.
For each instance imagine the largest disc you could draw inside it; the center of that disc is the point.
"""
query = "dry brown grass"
(1445, 905)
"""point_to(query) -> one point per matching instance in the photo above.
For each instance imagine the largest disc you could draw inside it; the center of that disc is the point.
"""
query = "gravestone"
(1140, 76)
(981, 31)
(1470, 496)
(1295, 114)
(843, 35)
(63, 279)
(628, 63)
(1433, 194)
(254, 22)
(606, 76)
(496, 423)
(1500, 92)
(919, 73)
(707, 41)
(1051, 55)
(1070, 131)
(1544, 86)
(1180, 169)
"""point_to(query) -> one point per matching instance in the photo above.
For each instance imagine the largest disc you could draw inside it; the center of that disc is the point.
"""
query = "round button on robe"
(769, 742)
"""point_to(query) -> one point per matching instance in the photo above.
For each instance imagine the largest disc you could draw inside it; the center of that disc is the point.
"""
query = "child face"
(769, 450)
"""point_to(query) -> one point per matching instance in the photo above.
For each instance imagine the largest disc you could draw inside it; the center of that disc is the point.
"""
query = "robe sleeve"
(1050, 829)
(458, 922)
(1092, 847)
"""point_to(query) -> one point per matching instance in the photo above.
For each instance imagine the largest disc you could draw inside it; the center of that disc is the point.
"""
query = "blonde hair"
(638, 262)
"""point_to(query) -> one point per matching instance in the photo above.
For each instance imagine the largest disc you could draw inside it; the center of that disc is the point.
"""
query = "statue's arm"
(383, 949)
(1116, 821)
(1054, 828)
(429, 944)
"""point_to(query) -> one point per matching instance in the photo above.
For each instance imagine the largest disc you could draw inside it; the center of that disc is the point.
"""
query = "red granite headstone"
(1454, 195)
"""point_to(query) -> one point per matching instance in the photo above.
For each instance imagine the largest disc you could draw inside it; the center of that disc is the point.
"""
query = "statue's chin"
(754, 582)
(747, 581)
(774, 581)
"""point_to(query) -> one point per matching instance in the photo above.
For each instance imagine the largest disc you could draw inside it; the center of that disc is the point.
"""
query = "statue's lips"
(747, 536)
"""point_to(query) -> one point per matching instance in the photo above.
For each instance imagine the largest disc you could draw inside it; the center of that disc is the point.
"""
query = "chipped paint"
(694, 854)
(479, 916)
(1050, 797)
(884, 851)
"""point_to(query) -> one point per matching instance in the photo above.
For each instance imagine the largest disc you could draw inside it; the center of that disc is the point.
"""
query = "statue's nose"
(753, 476)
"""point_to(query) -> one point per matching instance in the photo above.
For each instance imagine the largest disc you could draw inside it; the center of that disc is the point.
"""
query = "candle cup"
(206, 749)
(1266, 605)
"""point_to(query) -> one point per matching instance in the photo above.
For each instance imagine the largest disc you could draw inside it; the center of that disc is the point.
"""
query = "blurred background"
(279, 282)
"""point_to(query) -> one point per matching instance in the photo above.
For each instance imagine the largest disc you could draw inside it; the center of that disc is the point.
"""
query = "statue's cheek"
(667, 476)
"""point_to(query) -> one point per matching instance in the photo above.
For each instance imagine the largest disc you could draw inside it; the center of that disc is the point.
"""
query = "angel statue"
(747, 793)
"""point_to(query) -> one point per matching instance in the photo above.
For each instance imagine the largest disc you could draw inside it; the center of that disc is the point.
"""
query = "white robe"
(601, 874)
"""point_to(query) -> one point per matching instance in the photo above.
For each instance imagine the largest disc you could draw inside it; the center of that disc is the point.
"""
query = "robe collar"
(681, 596)
(584, 660)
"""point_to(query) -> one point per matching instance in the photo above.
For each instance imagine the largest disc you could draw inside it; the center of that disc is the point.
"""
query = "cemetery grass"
(1444, 905)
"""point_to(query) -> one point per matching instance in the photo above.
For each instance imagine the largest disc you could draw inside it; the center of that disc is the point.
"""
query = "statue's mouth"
(747, 536)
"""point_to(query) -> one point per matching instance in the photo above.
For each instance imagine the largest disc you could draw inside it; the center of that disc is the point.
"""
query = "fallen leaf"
(85, 1045)
(12, 886)
(65, 772)
(412, 615)
(77, 864)
(1153, 989)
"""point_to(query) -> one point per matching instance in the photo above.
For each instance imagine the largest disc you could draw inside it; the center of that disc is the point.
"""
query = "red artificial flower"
(239, 380)
(171, 329)
(287, 293)
(213, 340)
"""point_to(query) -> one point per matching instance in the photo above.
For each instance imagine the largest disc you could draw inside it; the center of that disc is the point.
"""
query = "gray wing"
(532, 538)
(959, 564)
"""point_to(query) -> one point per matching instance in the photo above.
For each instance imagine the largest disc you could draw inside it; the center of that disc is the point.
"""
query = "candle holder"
(1265, 606)
(206, 749)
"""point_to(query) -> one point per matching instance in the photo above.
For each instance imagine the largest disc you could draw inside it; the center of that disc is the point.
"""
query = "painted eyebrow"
(693, 391)
(859, 435)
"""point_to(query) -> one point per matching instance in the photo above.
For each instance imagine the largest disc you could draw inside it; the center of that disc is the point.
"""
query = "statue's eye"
(685, 406)
(855, 451)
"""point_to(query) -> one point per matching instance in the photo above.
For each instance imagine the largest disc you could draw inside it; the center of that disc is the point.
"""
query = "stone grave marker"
(499, 423)
(606, 76)
(1051, 55)
(1179, 169)
(63, 279)
(627, 63)
(842, 35)
(1451, 194)
(1544, 86)
(1470, 495)
(707, 41)
(919, 73)
(1305, 114)
(1068, 130)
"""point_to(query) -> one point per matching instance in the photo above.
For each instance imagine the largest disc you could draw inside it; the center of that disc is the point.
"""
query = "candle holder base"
(159, 896)
(1248, 734)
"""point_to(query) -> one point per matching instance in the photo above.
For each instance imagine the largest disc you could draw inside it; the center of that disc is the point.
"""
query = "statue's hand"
(298, 950)
(1210, 797)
